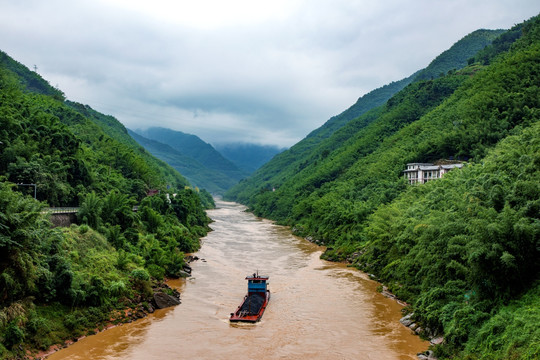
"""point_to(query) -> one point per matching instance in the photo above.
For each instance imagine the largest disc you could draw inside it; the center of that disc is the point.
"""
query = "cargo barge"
(255, 302)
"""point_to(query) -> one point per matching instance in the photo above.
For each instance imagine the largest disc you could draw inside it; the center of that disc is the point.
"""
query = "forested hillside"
(458, 55)
(300, 154)
(462, 250)
(190, 153)
(199, 175)
(57, 284)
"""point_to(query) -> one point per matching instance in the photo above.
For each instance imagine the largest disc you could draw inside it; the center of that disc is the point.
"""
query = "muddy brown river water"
(318, 309)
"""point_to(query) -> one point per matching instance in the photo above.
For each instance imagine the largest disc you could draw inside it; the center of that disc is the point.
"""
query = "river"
(318, 309)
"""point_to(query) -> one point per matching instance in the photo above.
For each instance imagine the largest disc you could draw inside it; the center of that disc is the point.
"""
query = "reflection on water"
(318, 309)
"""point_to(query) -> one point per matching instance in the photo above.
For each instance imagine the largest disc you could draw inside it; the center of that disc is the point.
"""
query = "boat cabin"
(257, 284)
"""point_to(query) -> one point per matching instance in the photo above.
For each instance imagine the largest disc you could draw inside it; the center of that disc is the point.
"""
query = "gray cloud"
(265, 72)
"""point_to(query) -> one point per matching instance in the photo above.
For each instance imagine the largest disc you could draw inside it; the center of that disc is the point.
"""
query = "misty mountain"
(455, 57)
(248, 157)
(197, 160)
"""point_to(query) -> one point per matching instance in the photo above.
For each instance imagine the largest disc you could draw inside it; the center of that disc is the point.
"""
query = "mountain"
(368, 106)
(220, 173)
(455, 57)
(30, 80)
(461, 250)
(459, 54)
(248, 157)
(365, 103)
(64, 282)
(213, 181)
(96, 131)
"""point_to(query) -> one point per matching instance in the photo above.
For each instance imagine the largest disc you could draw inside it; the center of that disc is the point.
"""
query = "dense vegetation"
(459, 54)
(55, 284)
(460, 247)
(463, 250)
(29, 79)
(201, 176)
(203, 165)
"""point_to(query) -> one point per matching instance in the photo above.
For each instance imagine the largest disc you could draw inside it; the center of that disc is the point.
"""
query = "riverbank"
(140, 306)
(407, 320)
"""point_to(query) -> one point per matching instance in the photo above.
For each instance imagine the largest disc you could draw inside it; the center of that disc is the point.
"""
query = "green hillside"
(30, 80)
(58, 284)
(199, 175)
(220, 173)
(462, 250)
(459, 54)
(371, 100)
(298, 156)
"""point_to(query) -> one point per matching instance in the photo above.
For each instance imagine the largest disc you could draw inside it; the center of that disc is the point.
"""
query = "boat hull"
(252, 308)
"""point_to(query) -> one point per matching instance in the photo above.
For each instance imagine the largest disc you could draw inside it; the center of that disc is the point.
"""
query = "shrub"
(96, 292)
(123, 260)
(38, 326)
(117, 288)
(75, 321)
(39, 329)
(83, 229)
(156, 271)
(13, 335)
(115, 237)
(140, 274)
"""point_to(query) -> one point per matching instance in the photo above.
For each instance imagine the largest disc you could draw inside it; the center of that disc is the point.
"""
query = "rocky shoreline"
(138, 309)
(163, 296)
(408, 321)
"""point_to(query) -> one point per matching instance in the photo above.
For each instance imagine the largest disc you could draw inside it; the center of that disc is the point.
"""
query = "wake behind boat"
(255, 302)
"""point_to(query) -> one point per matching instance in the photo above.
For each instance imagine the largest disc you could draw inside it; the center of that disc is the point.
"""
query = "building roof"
(451, 166)
(430, 167)
(419, 164)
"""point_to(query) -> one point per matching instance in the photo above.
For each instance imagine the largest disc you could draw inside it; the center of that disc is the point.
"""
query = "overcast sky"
(266, 72)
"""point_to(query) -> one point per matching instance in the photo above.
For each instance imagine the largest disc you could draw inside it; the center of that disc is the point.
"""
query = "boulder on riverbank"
(162, 300)
(408, 321)
(183, 274)
(427, 355)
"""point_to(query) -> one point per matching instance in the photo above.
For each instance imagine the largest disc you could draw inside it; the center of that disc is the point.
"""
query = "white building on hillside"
(420, 173)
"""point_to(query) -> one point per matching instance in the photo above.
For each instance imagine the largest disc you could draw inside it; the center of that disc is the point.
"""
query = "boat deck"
(252, 308)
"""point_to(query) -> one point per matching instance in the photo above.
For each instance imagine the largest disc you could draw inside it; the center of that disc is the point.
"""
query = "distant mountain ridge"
(203, 165)
(248, 157)
(196, 173)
